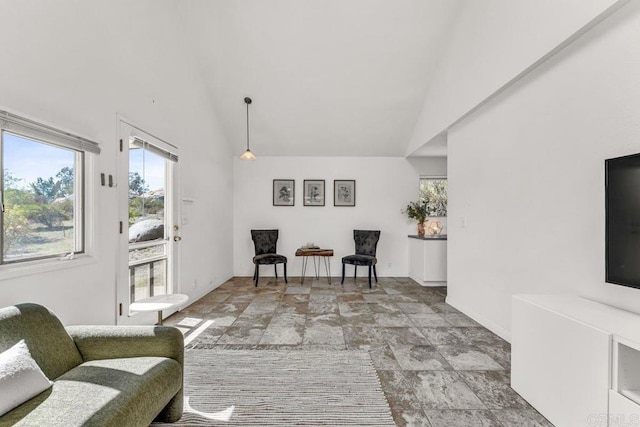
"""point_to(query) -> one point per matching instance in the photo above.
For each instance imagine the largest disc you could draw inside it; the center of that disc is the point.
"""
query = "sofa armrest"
(110, 342)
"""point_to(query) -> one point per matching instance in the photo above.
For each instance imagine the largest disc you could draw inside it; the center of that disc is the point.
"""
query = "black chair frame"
(264, 242)
(366, 247)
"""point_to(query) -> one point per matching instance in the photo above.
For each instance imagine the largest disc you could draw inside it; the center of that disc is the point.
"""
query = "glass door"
(150, 233)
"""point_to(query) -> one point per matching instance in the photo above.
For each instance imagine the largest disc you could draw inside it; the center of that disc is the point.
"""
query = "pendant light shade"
(247, 155)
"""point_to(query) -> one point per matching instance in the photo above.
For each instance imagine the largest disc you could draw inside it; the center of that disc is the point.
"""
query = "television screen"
(622, 241)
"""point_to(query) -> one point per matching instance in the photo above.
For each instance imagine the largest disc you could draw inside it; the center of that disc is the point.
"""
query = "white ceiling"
(327, 77)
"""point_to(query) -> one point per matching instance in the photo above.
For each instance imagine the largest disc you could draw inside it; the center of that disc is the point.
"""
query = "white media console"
(576, 361)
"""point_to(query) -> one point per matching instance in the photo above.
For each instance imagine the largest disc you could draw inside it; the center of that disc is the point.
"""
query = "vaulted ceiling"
(327, 77)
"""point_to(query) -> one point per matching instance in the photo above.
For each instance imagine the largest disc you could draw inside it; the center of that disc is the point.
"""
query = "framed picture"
(344, 192)
(314, 192)
(284, 192)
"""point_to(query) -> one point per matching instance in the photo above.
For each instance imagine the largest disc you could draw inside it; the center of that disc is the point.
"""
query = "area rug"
(282, 387)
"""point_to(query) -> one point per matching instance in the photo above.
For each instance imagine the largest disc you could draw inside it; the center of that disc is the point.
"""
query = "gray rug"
(282, 387)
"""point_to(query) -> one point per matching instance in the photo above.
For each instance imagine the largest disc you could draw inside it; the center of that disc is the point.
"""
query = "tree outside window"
(41, 207)
(433, 193)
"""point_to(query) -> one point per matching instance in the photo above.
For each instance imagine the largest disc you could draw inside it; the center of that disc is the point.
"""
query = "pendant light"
(247, 155)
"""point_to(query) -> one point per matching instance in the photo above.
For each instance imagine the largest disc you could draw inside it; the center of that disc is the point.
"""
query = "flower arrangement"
(417, 211)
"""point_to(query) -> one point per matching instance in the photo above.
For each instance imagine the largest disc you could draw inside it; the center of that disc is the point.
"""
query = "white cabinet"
(575, 360)
(622, 410)
(624, 396)
(559, 365)
(428, 260)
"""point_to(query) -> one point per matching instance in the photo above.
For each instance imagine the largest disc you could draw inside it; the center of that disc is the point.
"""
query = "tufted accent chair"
(366, 244)
(264, 242)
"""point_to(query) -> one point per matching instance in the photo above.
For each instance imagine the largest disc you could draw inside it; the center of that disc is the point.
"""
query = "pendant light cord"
(247, 125)
(248, 155)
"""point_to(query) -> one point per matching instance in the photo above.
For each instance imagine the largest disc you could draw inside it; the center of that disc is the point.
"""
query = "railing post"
(151, 279)
(132, 283)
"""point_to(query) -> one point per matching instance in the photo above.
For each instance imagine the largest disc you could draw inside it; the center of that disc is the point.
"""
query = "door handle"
(177, 238)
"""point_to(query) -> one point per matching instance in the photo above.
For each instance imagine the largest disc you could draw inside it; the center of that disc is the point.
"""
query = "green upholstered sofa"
(102, 375)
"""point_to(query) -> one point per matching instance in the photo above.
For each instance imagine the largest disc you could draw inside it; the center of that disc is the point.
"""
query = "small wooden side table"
(324, 253)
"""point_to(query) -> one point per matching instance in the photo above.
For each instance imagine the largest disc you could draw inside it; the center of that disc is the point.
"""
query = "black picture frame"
(344, 192)
(284, 192)
(314, 192)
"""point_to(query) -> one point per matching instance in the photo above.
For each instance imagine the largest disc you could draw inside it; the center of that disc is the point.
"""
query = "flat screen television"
(622, 232)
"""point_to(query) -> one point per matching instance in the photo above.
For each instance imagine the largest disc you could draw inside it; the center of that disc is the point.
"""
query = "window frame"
(83, 182)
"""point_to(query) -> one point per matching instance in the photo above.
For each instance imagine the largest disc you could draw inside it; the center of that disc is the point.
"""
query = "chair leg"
(375, 274)
(257, 274)
(369, 277)
(254, 272)
(275, 268)
(285, 273)
(355, 272)
(342, 282)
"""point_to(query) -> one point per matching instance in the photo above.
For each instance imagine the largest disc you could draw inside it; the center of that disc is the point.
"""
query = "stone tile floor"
(437, 366)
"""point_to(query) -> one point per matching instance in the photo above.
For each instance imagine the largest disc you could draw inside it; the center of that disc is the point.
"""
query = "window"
(42, 190)
(433, 193)
(150, 218)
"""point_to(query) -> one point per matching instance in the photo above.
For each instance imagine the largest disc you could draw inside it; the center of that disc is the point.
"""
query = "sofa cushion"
(20, 377)
(112, 392)
(49, 343)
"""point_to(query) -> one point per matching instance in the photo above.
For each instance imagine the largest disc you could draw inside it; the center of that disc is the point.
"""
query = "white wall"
(384, 186)
(491, 43)
(75, 65)
(526, 175)
(429, 166)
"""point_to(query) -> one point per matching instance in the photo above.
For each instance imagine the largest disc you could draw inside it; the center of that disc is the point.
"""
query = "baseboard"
(492, 326)
(201, 292)
(427, 284)
(217, 285)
